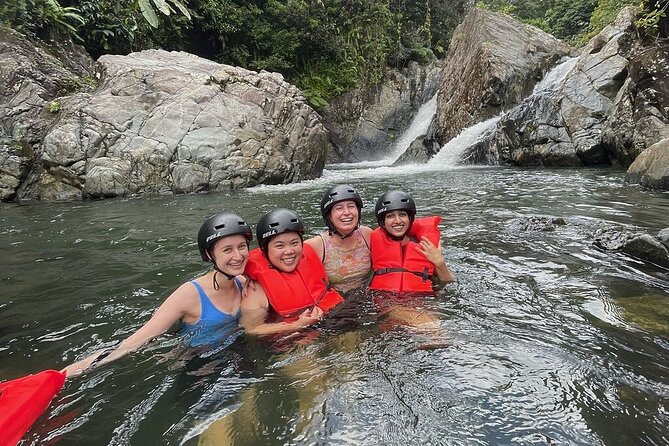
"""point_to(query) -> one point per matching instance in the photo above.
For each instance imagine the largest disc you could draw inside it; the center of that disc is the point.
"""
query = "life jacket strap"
(424, 275)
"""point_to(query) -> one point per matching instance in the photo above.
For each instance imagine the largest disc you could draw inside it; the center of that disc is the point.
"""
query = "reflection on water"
(544, 339)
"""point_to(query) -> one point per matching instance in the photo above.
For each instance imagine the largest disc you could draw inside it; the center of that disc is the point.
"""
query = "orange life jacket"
(403, 268)
(304, 287)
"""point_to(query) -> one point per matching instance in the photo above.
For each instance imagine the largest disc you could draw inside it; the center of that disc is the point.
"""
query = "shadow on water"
(544, 339)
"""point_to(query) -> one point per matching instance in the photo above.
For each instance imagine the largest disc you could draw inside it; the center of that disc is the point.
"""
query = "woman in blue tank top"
(207, 307)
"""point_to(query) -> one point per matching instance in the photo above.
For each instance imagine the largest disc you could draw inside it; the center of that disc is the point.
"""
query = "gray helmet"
(394, 200)
(277, 222)
(218, 226)
(337, 194)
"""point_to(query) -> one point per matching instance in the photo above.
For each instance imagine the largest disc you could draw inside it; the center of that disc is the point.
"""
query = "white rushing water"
(419, 126)
(556, 76)
(447, 158)
(450, 153)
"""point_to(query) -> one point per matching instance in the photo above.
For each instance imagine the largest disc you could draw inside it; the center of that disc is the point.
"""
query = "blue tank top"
(214, 326)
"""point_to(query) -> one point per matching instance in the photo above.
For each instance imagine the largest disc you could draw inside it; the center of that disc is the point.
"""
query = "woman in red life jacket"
(406, 257)
(344, 247)
(208, 307)
(406, 251)
(292, 281)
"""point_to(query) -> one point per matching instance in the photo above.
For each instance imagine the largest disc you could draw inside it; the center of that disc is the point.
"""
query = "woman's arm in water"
(433, 254)
(255, 308)
(171, 311)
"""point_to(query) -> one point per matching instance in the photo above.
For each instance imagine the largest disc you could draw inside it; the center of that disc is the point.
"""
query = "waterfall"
(450, 153)
(554, 78)
(448, 156)
(419, 126)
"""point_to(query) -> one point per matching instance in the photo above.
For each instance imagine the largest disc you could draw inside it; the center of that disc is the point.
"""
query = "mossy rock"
(649, 312)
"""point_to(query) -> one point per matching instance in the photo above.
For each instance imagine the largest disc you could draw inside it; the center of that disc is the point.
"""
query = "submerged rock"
(648, 248)
(534, 223)
(641, 246)
(649, 312)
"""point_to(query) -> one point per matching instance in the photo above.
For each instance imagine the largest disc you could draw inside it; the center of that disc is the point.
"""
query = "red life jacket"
(304, 287)
(403, 268)
(23, 400)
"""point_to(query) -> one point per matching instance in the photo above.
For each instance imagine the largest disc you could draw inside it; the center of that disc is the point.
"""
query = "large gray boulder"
(651, 167)
(33, 75)
(640, 115)
(494, 62)
(561, 124)
(364, 124)
(173, 122)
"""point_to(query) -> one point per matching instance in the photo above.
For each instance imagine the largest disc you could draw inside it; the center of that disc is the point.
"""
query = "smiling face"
(230, 254)
(284, 251)
(397, 223)
(344, 216)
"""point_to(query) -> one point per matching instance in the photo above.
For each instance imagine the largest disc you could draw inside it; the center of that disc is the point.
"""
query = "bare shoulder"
(182, 299)
(366, 232)
(255, 298)
(314, 242)
(317, 244)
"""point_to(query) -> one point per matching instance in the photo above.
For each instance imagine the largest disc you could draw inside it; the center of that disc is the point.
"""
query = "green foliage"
(40, 16)
(567, 18)
(325, 80)
(422, 55)
(573, 20)
(604, 14)
(166, 7)
(54, 107)
(652, 20)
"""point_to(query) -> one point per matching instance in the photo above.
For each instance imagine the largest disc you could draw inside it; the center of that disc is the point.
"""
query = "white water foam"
(450, 153)
(419, 126)
(447, 158)
(556, 76)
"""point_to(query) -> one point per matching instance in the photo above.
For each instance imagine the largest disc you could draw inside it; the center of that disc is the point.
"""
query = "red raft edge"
(23, 400)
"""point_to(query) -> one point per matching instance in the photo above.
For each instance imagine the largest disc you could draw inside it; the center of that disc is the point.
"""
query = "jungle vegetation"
(325, 47)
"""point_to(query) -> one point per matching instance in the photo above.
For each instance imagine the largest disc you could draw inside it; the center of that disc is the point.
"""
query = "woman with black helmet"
(208, 307)
(291, 278)
(406, 251)
(344, 247)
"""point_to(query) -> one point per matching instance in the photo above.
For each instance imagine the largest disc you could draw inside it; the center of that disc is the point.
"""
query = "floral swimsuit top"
(347, 268)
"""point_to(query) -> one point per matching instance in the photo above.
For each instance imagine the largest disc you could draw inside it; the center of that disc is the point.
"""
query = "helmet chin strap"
(216, 271)
(334, 230)
(342, 236)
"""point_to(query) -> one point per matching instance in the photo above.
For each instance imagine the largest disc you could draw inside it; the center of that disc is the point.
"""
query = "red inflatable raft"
(23, 400)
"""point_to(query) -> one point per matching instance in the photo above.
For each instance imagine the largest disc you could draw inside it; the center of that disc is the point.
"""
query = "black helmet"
(394, 200)
(218, 226)
(334, 195)
(277, 222)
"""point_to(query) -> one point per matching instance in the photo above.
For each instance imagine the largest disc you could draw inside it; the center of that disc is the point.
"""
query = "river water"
(544, 339)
